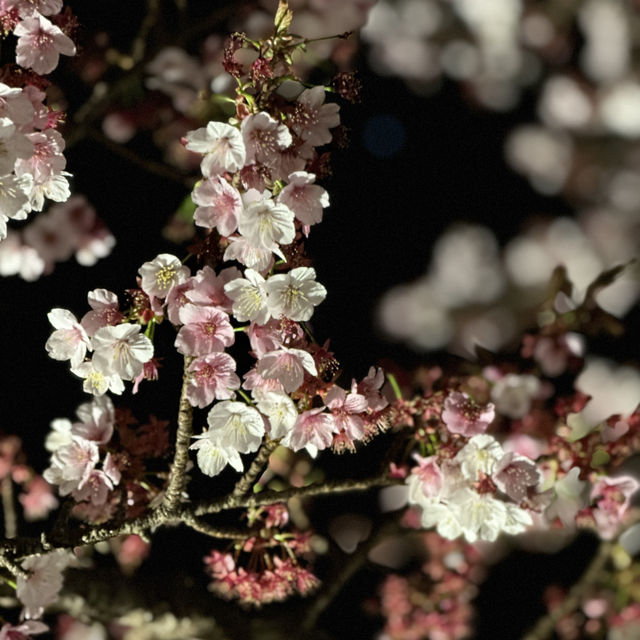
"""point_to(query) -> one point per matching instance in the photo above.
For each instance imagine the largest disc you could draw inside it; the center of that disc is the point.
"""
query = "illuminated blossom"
(287, 366)
(294, 294)
(211, 377)
(220, 205)
(222, 146)
(163, 273)
(264, 137)
(212, 457)
(40, 44)
(312, 119)
(305, 199)
(69, 341)
(104, 311)
(281, 411)
(205, 330)
(122, 350)
(236, 425)
(266, 223)
(312, 427)
(249, 297)
(462, 415)
(43, 583)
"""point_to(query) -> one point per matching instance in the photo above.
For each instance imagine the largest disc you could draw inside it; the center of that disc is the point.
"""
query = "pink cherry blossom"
(205, 330)
(370, 387)
(28, 7)
(40, 44)
(305, 199)
(37, 500)
(220, 205)
(287, 366)
(462, 415)
(612, 497)
(312, 119)
(209, 288)
(515, 475)
(23, 631)
(161, 274)
(97, 419)
(294, 294)
(121, 350)
(177, 298)
(104, 312)
(44, 582)
(264, 137)
(72, 464)
(345, 408)
(212, 377)
(312, 427)
(245, 253)
(47, 159)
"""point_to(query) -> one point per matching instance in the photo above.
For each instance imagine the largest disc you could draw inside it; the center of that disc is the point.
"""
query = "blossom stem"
(308, 332)
(394, 385)
(245, 397)
(545, 625)
(183, 439)
(10, 522)
(248, 479)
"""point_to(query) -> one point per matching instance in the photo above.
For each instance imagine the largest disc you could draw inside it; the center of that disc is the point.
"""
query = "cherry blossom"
(513, 393)
(287, 366)
(28, 7)
(72, 464)
(69, 341)
(462, 415)
(209, 288)
(163, 273)
(96, 382)
(45, 580)
(205, 330)
(305, 199)
(40, 44)
(294, 294)
(47, 159)
(97, 419)
(313, 427)
(121, 350)
(23, 630)
(236, 425)
(344, 408)
(281, 411)
(245, 253)
(312, 119)
(104, 311)
(266, 223)
(222, 146)
(37, 500)
(15, 105)
(220, 205)
(211, 377)
(249, 297)
(514, 475)
(479, 456)
(212, 457)
(264, 137)
(13, 145)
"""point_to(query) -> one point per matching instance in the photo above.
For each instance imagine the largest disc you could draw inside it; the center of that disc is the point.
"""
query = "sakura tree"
(222, 475)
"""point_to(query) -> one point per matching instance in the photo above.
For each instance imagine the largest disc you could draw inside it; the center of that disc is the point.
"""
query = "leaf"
(284, 16)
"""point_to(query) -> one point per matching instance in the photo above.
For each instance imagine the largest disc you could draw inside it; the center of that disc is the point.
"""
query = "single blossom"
(515, 475)
(249, 298)
(212, 457)
(312, 119)
(513, 393)
(480, 456)
(40, 44)
(266, 223)
(105, 311)
(281, 411)
(312, 427)
(569, 498)
(345, 408)
(264, 138)
(219, 205)
(163, 273)
(294, 294)
(211, 377)
(305, 199)
(236, 425)
(209, 288)
(69, 341)
(287, 366)
(462, 415)
(43, 583)
(245, 253)
(122, 350)
(205, 330)
(222, 146)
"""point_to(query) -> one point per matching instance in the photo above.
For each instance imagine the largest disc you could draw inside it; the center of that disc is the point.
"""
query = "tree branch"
(183, 440)
(249, 478)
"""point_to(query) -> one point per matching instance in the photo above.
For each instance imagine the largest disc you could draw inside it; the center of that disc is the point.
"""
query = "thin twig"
(215, 532)
(249, 478)
(545, 625)
(8, 508)
(151, 166)
(183, 440)
(139, 45)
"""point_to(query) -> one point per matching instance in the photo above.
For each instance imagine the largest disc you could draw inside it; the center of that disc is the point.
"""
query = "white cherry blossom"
(121, 350)
(69, 341)
(281, 411)
(294, 294)
(264, 138)
(236, 425)
(312, 118)
(479, 456)
(264, 222)
(287, 366)
(305, 199)
(161, 274)
(212, 457)
(249, 297)
(43, 583)
(222, 146)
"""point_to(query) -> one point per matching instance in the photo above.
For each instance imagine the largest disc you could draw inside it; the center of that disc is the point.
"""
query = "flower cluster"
(72, 227)
(108, 438)
(273, 577)
(31, 162)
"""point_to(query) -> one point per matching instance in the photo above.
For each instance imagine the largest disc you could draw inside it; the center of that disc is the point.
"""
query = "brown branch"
(214, 532)
(183, 440)
(545, 625)
(8, 508)
(249, 478)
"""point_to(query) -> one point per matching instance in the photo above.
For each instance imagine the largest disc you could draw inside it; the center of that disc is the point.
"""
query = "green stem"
(394, 385)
